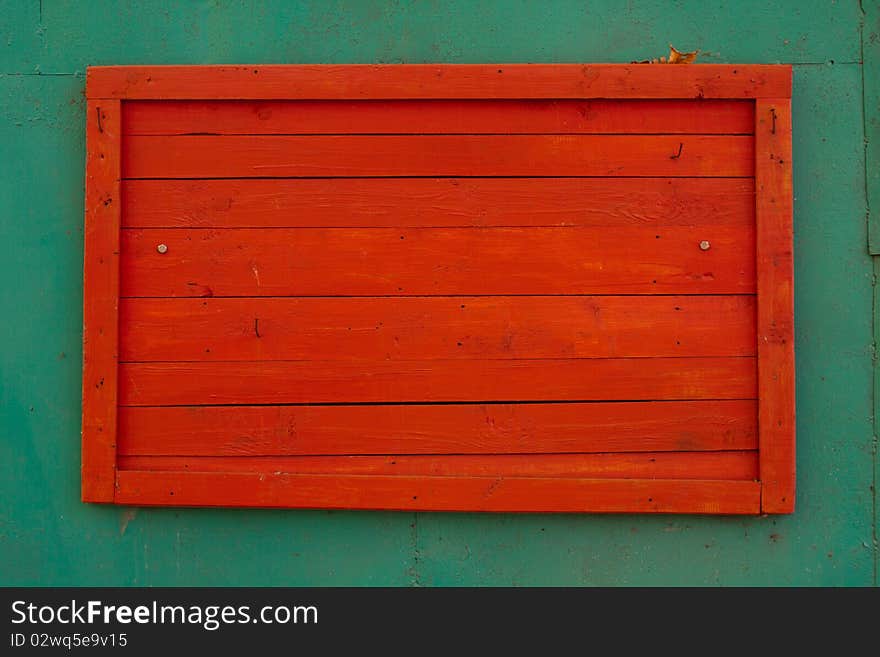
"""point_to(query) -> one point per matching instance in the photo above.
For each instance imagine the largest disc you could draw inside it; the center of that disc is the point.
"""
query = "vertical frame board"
(108, 479)
(101, 299)
(776, 403)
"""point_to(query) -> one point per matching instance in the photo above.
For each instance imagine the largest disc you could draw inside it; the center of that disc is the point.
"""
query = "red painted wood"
(776, 382)
(437, 202)
(649, 465)
(520, 243)
(390, 81)
(438, 261)
(174, 117)
(438, 429)
(282, 156)
(424, 328)
(292, 382)
(417, 493)
(101, 296)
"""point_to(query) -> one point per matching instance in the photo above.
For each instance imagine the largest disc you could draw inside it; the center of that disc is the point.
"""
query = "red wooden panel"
(413, 493)
(268, 117)
(437, 429)
(413, 81)
(479, 287)
(438, 261)
(776, 415)
(648, 465)
(424, 328)
(208, 156)
(101, 281)
(437, 202)
(309, 382)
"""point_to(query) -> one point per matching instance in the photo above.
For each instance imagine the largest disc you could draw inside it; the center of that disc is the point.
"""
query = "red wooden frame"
(101, 300)
(768, 86)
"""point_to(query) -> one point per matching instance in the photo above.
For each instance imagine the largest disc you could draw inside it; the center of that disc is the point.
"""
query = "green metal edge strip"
(871, 116)
(875, 312)
(871, 98)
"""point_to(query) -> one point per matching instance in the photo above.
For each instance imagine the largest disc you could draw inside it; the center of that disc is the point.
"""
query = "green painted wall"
(48, 537)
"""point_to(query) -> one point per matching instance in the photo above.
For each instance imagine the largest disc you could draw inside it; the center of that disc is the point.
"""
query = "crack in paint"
(414, 569)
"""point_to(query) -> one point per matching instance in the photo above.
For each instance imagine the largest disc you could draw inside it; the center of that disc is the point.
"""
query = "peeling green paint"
(48, 537)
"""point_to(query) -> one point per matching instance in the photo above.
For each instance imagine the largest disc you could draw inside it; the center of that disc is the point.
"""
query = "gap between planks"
(448, 403)
(442, 177)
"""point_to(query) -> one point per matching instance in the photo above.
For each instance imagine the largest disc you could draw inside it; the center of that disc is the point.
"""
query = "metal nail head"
(704, 245)
(162, 248)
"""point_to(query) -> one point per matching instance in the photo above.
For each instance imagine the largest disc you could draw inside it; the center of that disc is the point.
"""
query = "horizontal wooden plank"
(649, 465)
(282, 156)
(283, 382)
(395, 492)
(437, 261)
(438, 429)
(435, 202)
(388, 81)
(601, 116)
(425, 328)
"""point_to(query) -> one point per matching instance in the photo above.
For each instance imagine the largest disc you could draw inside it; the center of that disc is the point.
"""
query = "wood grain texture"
(601, 116)
(291, 382)
(420, 493)
(444, 287)
(429, 81)
(438, 429)
(438, 261)
(425, 328)
(437, 202)
(776, 373)
(649, 465)
(284, 156)
(101, 296)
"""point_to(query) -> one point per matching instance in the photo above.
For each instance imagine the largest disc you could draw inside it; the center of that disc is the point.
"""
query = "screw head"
(704, 245)
(162, 248)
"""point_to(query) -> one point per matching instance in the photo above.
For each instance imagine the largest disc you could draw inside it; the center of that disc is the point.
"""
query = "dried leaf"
(675, 57)
(678, 57)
